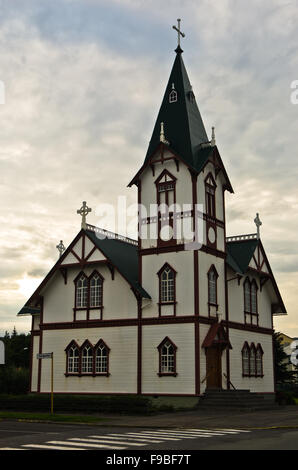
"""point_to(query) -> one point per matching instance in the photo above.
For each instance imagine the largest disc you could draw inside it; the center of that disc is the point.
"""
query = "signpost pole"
(52, 383)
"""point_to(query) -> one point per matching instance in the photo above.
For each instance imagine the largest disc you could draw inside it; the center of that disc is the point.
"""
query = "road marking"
(101, 446)
(45, 446)
(133, 436)
(106, 441)
(161, 435)
(10, 448)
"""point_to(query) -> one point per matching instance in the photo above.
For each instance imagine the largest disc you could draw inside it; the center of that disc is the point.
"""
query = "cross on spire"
(84, 211)
(60, 248)
(258, 224)
(179, 32)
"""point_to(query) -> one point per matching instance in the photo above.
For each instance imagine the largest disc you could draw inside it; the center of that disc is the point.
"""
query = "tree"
(17, 349)
(281, 360)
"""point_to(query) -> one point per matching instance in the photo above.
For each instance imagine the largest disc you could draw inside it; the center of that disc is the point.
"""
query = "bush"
(14, 380)
(285, 398)
(123, 404)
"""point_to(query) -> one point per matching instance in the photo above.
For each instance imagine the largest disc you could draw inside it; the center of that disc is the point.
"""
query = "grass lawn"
(23, 416)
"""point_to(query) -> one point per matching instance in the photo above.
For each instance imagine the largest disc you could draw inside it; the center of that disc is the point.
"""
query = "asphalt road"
(42, 436)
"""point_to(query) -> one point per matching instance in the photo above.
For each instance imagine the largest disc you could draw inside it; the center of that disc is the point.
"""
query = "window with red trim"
(250, 290)
(210, 189)
(87, 359)
(252, 360)
(89, 292)
(212, 286)
(167, 358)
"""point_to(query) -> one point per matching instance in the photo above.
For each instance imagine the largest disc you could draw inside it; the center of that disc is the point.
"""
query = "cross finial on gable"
(258, 224)
(84, 212)
(60, 248)
(179, 32)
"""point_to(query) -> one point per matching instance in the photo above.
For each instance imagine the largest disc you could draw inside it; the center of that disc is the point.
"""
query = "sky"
(83, 82)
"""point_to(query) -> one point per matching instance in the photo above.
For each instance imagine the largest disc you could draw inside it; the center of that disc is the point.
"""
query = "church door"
(213, 365)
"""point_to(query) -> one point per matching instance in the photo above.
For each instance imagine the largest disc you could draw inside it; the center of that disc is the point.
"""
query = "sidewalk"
(286, 416)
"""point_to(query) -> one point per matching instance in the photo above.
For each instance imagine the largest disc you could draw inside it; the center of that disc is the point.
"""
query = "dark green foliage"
(14, 374)
(84, 404)
(285, 398)
(282, 374)
(17, 349)
(14, 380)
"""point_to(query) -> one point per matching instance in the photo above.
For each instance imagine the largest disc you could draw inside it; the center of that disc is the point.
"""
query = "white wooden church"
(157, 316)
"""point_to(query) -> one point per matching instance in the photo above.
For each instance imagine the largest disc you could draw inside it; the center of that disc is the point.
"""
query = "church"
(182, 309)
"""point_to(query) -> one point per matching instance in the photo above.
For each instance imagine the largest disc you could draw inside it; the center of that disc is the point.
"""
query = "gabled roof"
(240, 251)
(124, 256)
(119, 253)
(239, 254)
(183, 125)
(184, 130)
(216, 335)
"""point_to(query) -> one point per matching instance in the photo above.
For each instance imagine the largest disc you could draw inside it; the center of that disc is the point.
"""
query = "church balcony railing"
(111, 235)
(239, 238)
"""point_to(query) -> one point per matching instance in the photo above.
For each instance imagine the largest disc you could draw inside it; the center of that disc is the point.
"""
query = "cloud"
(84, 81)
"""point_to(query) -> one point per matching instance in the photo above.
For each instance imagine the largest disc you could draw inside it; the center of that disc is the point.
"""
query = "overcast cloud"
(84, 81)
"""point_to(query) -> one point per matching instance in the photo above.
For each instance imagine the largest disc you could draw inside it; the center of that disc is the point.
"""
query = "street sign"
(44, 356)
(2, 352)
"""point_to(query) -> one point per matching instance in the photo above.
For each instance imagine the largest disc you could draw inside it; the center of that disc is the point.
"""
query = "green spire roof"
(183, 125)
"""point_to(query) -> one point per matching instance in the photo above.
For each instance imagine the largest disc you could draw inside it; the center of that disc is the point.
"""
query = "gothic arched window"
(101, 358)
(212, 286)
(73, 358)
(259, 361)
(96, 282)
(251, 302)
(210, 189)
(82, 291)
(87, 358)
(246, 360)
(167, 358)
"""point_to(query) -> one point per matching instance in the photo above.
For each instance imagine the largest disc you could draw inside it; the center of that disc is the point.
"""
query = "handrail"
(228, 381)
(206, 377)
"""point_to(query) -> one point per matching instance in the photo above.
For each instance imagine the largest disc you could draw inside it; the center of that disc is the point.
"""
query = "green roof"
(124, 256)
(239, 254)
(183, 125)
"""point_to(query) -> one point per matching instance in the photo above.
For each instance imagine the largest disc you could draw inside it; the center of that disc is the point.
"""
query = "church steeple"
(183, 125)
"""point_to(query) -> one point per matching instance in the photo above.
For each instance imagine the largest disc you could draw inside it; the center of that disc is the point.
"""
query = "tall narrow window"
(73, 360)
(212, 286)
(254, 298)
(166, 200)
(167, 358)
(245, 360)
(167, 285)
(210, 188)
(252, 360)
(259, 361)
(101, 358)
(82, 292)
(95, 291)
(87, 359)
(247, 296)
(251, 302)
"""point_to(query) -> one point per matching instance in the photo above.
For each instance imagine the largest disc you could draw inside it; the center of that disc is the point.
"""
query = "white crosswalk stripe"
(134, 436)
(50, 447)
(83, 444)
(126, 440)
(104, 440)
